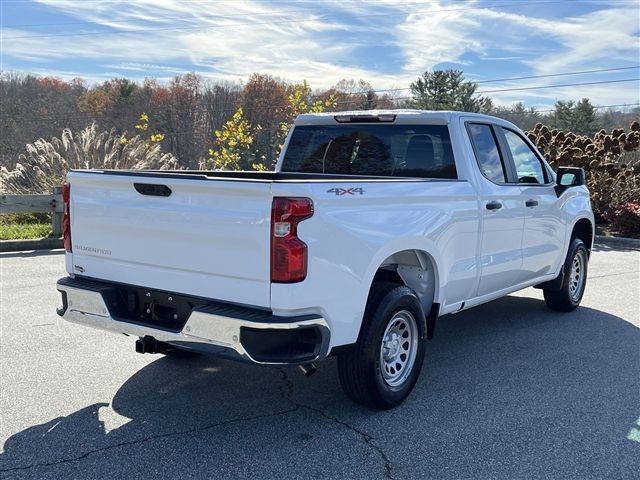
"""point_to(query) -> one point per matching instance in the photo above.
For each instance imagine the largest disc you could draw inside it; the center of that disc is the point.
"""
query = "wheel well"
(583, 230)
(414, 269)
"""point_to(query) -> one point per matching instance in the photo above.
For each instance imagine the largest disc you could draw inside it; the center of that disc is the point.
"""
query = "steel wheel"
(567, 297)
(576, 277)
(398, 348)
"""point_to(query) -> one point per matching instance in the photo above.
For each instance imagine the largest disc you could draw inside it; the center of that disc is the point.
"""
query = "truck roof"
(401, 116)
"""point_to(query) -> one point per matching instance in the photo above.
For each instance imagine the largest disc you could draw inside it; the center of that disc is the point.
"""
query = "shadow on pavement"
(31, 253)
(509, 389)
(632, 246)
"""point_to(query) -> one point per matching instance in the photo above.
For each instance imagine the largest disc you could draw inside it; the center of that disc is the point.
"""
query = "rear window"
(380, 150)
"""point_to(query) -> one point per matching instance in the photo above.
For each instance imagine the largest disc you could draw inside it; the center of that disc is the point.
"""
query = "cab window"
(487, 152)
(529, 167)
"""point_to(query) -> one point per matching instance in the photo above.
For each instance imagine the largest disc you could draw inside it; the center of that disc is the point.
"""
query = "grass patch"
(25, 226)
(25, 231)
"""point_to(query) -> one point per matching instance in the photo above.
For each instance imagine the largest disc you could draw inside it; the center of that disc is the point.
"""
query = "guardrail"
(36, 204)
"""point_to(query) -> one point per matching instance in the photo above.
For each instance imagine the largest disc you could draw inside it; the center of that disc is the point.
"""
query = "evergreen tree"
(578, 117)
(448, 90)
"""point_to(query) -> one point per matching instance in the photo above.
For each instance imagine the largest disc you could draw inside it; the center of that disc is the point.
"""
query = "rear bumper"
(241, 333)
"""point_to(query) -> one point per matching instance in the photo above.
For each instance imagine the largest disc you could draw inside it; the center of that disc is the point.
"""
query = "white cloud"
(320, 42)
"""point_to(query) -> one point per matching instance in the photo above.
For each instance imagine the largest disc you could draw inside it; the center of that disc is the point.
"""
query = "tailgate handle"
(152, 189)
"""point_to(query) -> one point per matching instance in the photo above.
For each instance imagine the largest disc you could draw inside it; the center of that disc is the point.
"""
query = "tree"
(300, 101)
(233, 146)
(448, 90)
(586, 122)
(350, 94)
(176, 115)
(579, 118)
(218, 102)
(95, 102)
(263, 100)
(520, 115)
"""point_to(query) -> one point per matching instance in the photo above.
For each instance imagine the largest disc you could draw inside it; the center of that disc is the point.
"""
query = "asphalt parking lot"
(508, 390)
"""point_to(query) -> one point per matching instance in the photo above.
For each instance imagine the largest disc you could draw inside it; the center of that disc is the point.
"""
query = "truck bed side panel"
(351, 234)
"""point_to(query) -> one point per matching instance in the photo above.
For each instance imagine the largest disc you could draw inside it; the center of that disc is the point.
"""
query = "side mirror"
(569, 177)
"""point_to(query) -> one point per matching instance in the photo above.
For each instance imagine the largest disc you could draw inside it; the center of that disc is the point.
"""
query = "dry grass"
(46, 163)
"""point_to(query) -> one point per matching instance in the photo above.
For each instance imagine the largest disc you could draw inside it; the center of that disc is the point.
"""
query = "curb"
(37, 244)
(53, 243)
(619, 242)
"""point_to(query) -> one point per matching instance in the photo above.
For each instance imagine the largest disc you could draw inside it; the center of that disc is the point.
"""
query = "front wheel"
(575, 279)
(382, 368)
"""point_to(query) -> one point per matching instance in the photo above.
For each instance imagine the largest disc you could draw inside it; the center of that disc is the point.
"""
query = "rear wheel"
(382, 368)
(575, 279)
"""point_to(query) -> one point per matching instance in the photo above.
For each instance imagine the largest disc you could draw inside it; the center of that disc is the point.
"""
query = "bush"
(625, 219)
(45, 164)
(611, 161)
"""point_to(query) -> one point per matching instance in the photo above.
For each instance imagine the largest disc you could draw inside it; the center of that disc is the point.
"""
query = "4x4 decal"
(346, 191)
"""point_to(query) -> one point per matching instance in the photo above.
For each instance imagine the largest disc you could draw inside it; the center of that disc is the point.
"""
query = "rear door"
(544, 227)
(501, 209)
(198, 236)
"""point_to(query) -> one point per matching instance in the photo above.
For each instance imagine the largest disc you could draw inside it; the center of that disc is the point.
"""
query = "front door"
(544, 227)
(502, 213)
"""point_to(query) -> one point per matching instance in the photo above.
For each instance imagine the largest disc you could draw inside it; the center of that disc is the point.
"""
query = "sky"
(389, 43)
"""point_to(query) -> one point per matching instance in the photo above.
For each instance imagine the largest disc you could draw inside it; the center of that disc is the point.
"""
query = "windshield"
(364, 149)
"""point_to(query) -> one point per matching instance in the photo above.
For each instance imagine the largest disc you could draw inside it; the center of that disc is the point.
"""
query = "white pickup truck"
(373, 225)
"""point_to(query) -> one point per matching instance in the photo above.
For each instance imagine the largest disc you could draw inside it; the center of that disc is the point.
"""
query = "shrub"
(625, 219)
(611, 161)
(45, 164)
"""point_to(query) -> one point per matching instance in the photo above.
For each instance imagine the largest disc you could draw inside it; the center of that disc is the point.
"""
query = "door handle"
(493, 205)
(531, 203)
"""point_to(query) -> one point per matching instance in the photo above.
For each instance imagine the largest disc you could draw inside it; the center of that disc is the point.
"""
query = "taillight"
(66, 216)
(288, 252)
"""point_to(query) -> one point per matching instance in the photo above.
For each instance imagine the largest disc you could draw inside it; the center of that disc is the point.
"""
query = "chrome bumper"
(205, 330)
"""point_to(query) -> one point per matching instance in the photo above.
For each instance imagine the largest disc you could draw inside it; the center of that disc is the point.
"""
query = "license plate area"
(154, 308)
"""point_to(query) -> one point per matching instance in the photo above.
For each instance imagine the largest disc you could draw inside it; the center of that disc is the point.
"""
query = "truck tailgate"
(208, 238)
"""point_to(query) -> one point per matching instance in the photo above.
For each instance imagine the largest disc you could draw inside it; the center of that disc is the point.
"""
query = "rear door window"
(422, 151)
(487, 152)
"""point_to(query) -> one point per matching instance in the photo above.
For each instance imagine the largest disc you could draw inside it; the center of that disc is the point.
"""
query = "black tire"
(570, 295)
(360, 369)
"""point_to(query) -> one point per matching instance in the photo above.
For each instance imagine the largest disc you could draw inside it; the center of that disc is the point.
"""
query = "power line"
(289, 21)
(496, 80)
(497, 114)
(124, 108)
(73, 114)
(559, 74)
(559, 86)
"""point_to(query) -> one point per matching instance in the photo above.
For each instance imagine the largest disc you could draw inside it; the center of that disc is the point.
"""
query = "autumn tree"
(95, 102)
(234, 146)
(33, 107)
(300, 101)
(218, 103)
(263, 99)
(176, 109)
(448, 90)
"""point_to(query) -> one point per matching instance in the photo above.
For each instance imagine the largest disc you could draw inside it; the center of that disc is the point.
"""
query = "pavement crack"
(152, 437)
(287, 392)
(612, 274)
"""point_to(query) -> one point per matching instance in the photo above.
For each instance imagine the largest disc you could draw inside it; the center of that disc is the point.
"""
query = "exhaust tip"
(308, 369)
